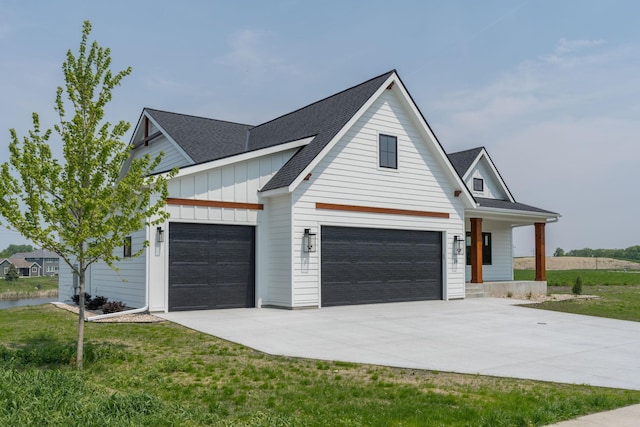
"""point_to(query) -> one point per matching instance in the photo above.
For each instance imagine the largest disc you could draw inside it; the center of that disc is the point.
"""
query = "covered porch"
(489, 249)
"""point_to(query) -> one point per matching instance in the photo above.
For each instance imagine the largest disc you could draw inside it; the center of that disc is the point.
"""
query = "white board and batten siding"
(349, 174)
(238, 182)
(501, 268)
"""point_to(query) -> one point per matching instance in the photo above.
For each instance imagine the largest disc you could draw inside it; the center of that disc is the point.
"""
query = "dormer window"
(388, 151)
(478, 184)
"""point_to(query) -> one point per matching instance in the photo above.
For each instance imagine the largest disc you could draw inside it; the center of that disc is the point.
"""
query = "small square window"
(478, 184)
(388, 151)
(127, 247)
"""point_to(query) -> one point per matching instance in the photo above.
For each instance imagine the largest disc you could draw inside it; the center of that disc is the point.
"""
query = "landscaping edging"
(125, 318)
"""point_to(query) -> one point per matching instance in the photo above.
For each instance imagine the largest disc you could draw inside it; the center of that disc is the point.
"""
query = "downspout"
(134, 310)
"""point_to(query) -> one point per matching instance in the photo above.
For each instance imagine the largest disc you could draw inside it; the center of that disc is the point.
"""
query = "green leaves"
(81, 207)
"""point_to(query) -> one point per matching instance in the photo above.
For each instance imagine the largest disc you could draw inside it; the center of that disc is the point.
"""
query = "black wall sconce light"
(309, 240)
(457, 243)
(159, 235)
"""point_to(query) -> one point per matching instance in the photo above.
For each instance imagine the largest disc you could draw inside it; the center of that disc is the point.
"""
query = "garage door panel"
(211, 266)
(363, 266)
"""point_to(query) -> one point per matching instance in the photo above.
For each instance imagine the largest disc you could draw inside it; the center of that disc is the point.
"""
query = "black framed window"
(486, 248)
(127, 247)
(388, 151)
(478, 184)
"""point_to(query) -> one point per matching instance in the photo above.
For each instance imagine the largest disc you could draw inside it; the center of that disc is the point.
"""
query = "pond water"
(23, 302)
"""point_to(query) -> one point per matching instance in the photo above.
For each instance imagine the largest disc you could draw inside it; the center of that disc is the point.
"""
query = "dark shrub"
(76, 299)
(12, 273)
(113, 307)
(577, 287)
(96, 303)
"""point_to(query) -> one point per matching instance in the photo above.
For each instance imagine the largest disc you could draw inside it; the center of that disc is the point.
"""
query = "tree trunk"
(80, 348)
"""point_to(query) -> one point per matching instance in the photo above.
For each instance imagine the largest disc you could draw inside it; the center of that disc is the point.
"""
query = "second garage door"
(365, 266)
(211, 266)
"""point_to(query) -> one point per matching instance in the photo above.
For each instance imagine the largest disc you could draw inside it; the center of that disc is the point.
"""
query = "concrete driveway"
(487, 336)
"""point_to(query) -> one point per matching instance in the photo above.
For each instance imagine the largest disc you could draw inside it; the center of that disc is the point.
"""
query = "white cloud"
(562, 130)
(567, 46)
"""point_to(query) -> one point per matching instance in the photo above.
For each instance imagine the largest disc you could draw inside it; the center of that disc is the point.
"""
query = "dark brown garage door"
(365, 266)
(211, 266)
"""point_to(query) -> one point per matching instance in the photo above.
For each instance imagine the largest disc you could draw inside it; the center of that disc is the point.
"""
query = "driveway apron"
(487, 336)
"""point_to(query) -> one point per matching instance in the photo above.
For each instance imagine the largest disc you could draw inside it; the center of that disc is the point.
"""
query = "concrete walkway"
(488, 336)
(623, 417)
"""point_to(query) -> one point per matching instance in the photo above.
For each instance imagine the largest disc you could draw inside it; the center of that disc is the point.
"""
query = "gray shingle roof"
(201, 138)
(38, 253)
(462, 160)
(324, 119)
(506, 204)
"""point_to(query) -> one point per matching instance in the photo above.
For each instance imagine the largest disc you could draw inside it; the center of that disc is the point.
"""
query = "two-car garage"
(212, 266)
(366, 265)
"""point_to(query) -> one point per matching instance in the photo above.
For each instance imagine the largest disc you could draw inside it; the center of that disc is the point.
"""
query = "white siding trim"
(190, 170)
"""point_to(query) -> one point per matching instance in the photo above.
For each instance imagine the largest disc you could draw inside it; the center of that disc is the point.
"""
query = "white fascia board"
(444, 159)
(525, 217)
(341, 133)
(190, 170)
(275, 192)
(166, 134)
(494, 170)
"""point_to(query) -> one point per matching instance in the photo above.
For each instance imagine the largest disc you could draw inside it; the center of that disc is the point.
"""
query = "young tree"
(12, 273)
(81, 207)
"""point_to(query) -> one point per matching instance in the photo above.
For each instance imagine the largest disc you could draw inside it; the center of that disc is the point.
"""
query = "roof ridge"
(198, 117)
(323, 99)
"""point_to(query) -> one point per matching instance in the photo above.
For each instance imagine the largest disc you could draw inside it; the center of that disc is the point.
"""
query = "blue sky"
(551, 88)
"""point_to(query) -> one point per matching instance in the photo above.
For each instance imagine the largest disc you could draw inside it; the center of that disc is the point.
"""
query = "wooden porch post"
(541, 269)
(476, 250)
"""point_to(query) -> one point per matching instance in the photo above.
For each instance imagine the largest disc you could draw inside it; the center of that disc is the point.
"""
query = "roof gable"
(477, 162)
(324, 119)
(202, 139)
(462, 160)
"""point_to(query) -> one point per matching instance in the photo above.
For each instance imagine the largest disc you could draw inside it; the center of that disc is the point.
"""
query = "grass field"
(27, 287)
(166, 375)
(618, 292)
(589, 277)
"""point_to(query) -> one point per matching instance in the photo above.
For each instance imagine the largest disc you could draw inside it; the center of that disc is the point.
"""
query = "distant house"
(25, 268)
(48, 262)
(349, 200)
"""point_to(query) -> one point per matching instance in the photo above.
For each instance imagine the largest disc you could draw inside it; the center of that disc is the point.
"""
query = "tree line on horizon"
(14, 249)
(632, 253)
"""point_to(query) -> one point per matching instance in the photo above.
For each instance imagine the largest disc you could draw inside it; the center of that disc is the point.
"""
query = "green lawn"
(589, 277)
(618, 292)
(614, 302)
(167, 375)
(26, 287)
